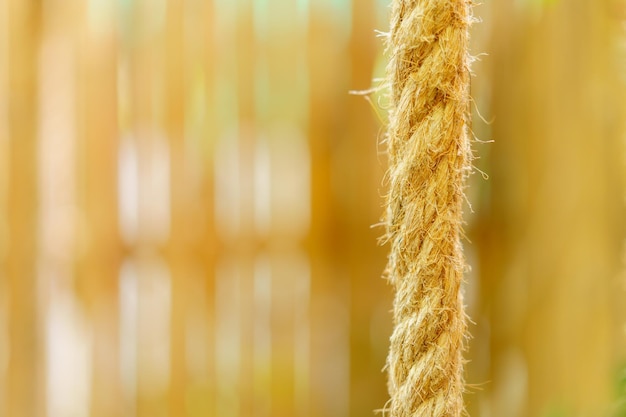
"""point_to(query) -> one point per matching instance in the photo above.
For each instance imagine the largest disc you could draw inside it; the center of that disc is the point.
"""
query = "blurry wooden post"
(244, 247)
(330, 286)
(283, 223)
(192, 236)
(319, 133)
(234, 113)
(226, 209)
(145, 53)
(25, 396)
(180, 204)
(557, 208)
(99, 243)
(5, 142)
(360, 176)
(205, 391)
(614, 30)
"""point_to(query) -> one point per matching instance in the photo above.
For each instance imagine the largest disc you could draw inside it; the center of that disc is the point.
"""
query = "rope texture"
(430, 158)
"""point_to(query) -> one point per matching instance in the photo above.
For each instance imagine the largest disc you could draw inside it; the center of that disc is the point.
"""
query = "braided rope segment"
(430, 158)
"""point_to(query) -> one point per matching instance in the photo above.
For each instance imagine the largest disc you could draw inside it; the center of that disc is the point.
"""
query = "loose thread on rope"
(429, 159)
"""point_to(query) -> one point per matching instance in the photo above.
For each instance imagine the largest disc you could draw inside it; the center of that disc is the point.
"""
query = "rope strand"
(430, 157)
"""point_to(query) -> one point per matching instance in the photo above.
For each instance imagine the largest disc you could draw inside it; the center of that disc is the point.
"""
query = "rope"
(430, 157)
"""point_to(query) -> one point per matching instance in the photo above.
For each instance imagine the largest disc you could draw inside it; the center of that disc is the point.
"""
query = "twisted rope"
(429, 155)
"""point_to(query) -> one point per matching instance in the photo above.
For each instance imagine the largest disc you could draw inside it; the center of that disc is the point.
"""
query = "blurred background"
(187, 195)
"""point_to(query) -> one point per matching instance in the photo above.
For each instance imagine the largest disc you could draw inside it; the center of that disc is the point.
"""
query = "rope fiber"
(430, 158)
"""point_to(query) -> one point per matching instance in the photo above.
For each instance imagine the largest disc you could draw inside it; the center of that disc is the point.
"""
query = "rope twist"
(430, 158)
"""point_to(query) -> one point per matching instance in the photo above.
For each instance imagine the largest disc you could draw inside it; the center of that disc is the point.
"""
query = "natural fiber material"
(429, 155)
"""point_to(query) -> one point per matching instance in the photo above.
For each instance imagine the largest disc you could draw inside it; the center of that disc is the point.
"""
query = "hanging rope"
(429, 155)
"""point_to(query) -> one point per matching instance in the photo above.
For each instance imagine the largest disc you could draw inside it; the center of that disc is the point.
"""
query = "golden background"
(187, 191)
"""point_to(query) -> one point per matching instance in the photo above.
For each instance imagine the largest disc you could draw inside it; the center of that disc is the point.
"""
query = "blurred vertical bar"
(146, 232)
(128, 208)
(200, 241)
(616, 54)
(68, 343)
(328, 86)
(557, 209)
(506, 288)
(230, 203)
(4, 183)
(260, 309)
(282, 205)
(245, 246)
(100, 246)
(263, 337)
(178, 248)
(210, 246)
(24, 378)
(359, 176)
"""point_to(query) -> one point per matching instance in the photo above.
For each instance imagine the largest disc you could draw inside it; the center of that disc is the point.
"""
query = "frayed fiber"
(429, 160)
